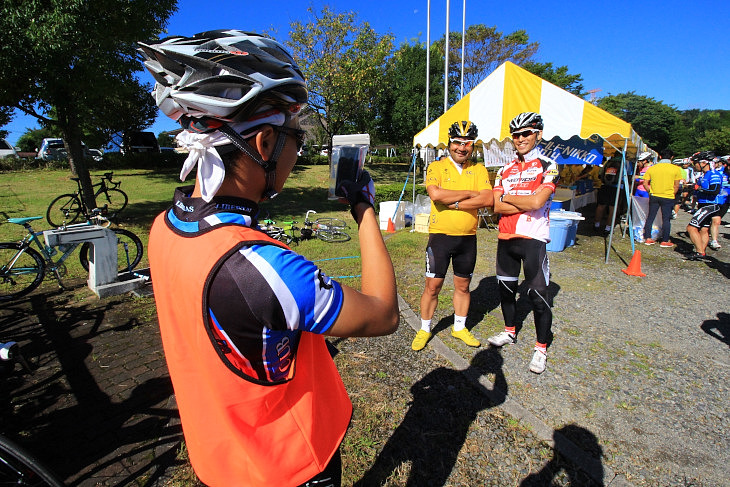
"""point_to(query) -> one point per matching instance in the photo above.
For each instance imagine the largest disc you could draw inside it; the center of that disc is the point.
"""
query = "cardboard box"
(422, 222)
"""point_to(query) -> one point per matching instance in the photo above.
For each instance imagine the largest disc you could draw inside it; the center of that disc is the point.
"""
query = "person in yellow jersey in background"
(458, 188)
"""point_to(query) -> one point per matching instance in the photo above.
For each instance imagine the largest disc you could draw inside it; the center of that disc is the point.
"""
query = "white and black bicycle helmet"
(644, 156)
(526, 120)
(216, 78)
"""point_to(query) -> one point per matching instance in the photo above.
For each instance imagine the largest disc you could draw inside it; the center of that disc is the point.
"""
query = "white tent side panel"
(485, 107)
(564, 111)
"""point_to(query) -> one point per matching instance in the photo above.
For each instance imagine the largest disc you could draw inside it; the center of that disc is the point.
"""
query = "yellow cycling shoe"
(421, 339)
(465, 336)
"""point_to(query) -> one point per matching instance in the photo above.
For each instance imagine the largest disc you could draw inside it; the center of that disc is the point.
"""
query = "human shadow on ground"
(719, 328)
(434, 429)
(81, 416)
(485, 298)
(576, 452)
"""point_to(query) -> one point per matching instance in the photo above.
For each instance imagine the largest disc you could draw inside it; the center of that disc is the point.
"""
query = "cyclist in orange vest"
(242, 317)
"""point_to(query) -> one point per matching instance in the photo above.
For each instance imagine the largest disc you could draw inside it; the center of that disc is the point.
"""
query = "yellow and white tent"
(511, 90)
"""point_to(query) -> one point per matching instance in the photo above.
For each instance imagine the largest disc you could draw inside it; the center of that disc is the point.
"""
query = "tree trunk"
(76, 158)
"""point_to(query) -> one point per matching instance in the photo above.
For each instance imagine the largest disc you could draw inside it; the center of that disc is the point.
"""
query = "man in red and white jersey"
(523, 190)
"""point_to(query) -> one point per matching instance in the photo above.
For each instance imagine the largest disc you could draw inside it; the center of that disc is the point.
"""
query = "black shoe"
(696, 256)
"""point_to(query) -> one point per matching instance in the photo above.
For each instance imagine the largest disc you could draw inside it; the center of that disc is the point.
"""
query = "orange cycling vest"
(239, 433)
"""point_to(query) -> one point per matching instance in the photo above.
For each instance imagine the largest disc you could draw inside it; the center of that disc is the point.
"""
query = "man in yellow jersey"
(458, 188)
(662, 182)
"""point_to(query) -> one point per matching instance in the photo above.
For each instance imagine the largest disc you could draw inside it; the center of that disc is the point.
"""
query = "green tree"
(716, 139)
(401, 110)
(558, 76)
(485, 49)
(653, 120)
(344, 63)
(165, 139)
(6, 115)
(71, 65)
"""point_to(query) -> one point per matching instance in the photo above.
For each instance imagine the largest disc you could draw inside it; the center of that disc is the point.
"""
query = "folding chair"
(488, 218)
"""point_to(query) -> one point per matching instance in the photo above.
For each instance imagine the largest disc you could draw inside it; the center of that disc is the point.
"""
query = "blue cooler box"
(559, 229)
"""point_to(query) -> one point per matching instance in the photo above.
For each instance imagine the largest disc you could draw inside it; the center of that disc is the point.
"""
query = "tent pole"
(615, 201)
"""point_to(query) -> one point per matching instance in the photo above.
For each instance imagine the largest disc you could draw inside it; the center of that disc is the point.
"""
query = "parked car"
(7, 150)
(52, 149)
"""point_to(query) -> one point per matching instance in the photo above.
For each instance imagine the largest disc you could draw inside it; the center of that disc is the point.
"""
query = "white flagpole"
(446, 62)
(463, 37)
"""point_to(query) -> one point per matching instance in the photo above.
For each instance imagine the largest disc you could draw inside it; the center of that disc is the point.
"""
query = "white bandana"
(202, 151)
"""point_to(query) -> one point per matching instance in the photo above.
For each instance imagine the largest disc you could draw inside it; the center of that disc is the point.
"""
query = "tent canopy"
(511, 90)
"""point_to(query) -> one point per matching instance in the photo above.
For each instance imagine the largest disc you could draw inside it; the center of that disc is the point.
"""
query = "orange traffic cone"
(391, 226)
(634, 268)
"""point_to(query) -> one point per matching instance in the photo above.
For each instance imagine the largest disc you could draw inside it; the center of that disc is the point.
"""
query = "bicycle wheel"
(18, 467)
(114, 200)
(64, 209)
(335, 235)
(330, 223)
(129, 251)
(21, 270)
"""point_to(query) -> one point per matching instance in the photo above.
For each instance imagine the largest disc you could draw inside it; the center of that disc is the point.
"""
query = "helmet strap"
(268, 166)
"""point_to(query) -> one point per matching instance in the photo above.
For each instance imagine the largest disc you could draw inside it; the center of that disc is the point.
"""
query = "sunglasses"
(298, 135)
(524, 133)
(462, 143)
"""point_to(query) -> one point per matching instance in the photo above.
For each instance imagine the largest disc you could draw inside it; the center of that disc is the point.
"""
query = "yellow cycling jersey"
(444, 174)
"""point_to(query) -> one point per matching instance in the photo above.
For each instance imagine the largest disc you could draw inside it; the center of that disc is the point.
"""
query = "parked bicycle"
(17, 466)
(325, 228)
(23, 268)
(68, 208)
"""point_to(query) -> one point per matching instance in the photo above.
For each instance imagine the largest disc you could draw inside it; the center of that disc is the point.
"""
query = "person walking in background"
(642, 165)
(522, 193)
(242, 317)
(458, 188)
(722, 200)
(606, 196)
(707, 190)
(662, 182)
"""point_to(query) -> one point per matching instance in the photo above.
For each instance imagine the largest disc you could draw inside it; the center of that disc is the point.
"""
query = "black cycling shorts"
(703, 215)
(528, 253)
(461, 250)
(606, 195)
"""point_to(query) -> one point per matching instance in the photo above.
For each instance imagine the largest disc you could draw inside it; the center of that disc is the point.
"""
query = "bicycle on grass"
(325, 228)
(23, 268)
(67, 208)
(17, 466)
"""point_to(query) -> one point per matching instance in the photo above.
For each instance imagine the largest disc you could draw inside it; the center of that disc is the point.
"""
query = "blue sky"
(677, 52)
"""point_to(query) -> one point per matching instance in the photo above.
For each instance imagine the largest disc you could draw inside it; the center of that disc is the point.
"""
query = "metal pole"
(428, 56)
(446, 62)
(463, 37)
(615, 201)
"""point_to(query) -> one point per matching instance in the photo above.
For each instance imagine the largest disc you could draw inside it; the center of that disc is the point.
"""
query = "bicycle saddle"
(23, 221)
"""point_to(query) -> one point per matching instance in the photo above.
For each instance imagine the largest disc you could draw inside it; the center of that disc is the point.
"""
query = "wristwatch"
(456, 205)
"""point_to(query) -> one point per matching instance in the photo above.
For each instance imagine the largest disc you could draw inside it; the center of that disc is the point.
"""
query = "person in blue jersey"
(242, 316)
(708, 189)
(723, 200)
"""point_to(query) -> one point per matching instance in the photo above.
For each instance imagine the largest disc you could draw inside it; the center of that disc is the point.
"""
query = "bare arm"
(449, 196)
(520, 203)
(372, 311)
(482, 199)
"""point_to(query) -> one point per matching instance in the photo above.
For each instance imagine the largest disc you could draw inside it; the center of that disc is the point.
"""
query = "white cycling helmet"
(526, 120)
(222, 74)
(645, 155)
(215, 79)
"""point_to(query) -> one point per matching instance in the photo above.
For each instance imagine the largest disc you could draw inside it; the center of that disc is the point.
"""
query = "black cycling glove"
(360, 191)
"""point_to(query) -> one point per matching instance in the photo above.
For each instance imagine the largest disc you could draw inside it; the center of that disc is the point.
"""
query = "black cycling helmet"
(219, 77)
(706, 156)
(464, 130)
(526, 120)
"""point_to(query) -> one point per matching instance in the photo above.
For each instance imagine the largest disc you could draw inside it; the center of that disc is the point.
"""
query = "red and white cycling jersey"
(527, 178)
